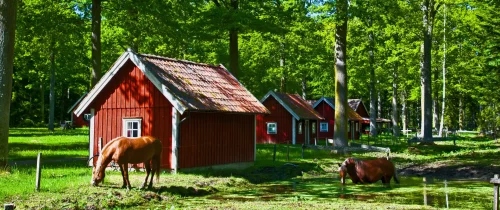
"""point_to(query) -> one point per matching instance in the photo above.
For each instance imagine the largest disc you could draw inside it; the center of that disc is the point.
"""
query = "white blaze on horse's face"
(342, 172)
(97, 176)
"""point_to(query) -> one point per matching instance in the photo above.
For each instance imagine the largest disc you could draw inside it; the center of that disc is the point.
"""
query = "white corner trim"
(294, 130)
(175, 141)
(271, 93)
(91, 136)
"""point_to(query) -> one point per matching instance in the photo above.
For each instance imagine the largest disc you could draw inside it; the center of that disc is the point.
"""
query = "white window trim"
(124, 125)
(321, 127)
(275, 125)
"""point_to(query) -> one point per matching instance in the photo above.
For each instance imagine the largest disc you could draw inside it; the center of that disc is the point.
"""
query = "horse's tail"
(158, 167)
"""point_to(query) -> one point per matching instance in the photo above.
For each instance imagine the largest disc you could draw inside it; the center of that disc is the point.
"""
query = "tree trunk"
(8, 10)
(340, 134)
(96, 42)
(403, 111)
(373, 91)
(425, 70)
(379, 104)
(441, 124)
(42, 101)
(282, 68)
(395, 127)
(52, 92)
(304, 87)
(460, 114)
(233, 45)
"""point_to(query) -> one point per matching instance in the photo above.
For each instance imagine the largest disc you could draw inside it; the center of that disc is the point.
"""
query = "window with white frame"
(357, 127)
(300, 127)
(132, 127)
(272, 128)
(313, 127)
(323, 127)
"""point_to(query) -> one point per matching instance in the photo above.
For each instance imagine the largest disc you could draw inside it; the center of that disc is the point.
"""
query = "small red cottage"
(292, 120)
(78, 121)
(326, 107)
(358, 106)
(200, 112)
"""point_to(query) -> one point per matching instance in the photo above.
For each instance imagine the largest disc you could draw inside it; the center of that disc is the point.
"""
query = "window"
(300, 127)
(313, 127)
(132, 127)
(357, 127)
(323, 127)
(272, 128)
(86, 117)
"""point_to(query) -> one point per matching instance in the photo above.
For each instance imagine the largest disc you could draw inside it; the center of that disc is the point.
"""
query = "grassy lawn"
(310, 183)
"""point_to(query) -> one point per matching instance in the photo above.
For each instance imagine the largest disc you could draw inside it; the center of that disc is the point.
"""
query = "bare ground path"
(448, 170)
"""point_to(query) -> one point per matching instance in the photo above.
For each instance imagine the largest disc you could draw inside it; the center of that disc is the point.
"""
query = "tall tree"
(429, 9)
(8, 10)
(441, 123)
(341, 18)
(96, 42)
(233, 37)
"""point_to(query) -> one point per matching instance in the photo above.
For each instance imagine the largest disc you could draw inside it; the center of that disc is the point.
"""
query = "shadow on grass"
(36, 132)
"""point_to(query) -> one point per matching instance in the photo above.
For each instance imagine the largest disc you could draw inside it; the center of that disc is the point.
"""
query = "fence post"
(495, 192)
(288, 152)
(38, 171)
(8, 206)
(303, 146)
(274, 153)
(315, 142)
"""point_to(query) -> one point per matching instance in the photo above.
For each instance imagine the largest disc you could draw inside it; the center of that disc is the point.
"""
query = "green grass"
(26, 143)
(309, 183)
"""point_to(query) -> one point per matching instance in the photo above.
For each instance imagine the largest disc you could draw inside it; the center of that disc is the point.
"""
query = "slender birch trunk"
(441, 124)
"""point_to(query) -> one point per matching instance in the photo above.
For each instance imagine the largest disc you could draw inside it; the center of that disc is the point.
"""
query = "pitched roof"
(76, 103)
(351, 114)
(355, 104)
(293, 103)
(187, 85)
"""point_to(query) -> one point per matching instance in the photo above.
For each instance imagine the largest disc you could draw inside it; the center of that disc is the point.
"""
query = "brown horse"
(124, 150)
(368, 171)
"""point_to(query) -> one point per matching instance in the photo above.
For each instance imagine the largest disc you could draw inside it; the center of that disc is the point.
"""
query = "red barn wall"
(279, 115)
(79, 122)
(215, 139)
(329, 114)
(131, 94)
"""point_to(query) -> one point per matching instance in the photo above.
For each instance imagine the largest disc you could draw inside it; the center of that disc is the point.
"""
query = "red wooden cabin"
(358, 106)
(202, 114)
(292, 120)
(78, 121)
(326, 107)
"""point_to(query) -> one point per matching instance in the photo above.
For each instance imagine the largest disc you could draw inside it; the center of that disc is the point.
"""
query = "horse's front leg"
(123, 175)
(147, 165)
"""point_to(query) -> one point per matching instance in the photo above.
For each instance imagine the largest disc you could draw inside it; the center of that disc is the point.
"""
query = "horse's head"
(344, 168)
(97, 173)
(342, 172)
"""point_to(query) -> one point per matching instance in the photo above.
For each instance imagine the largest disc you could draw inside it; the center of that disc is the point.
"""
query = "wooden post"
(288, 152)
(100, 144)
(495, 192)
(387, 155)
(315, 142)
(38, 171)
(274, 153)
(454, 143)
(303, 146)
(8, 206)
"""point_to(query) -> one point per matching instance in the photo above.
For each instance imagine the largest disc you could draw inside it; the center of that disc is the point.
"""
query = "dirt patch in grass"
(447, 170)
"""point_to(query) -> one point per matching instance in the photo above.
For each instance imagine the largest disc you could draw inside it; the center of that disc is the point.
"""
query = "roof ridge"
(179, 60)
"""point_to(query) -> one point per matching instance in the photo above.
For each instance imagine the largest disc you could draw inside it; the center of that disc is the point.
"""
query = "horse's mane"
(356, 161)
(103, 155)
